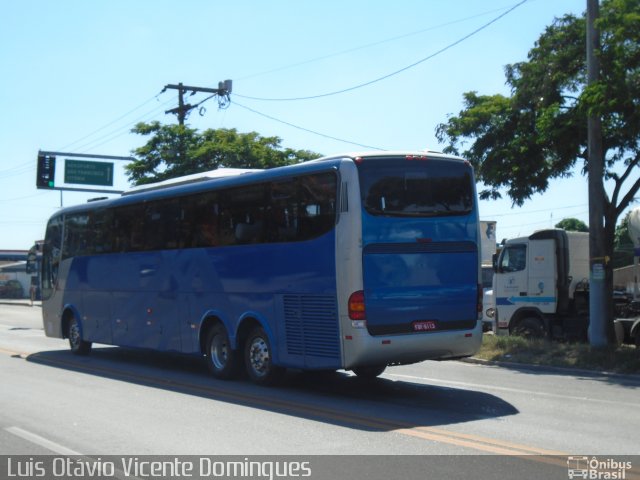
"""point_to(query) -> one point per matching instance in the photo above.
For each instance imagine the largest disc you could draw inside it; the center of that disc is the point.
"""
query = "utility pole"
(222, 92)
(598, 311)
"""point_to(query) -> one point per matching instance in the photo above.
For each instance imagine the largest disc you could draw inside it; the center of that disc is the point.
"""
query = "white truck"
(541, 285)
(627, 323)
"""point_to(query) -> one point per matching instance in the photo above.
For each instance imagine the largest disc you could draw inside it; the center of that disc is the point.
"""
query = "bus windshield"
(423, 188)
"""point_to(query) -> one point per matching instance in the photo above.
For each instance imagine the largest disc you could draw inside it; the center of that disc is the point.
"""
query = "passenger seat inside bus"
(248, 232)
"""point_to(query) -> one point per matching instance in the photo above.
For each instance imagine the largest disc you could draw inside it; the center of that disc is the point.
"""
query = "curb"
(21, 303)
(552, 369)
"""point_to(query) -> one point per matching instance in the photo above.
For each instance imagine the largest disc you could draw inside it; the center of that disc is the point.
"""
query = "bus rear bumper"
(362, 349)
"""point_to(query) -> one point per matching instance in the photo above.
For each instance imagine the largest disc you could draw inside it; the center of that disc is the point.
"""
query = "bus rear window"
(397, 187)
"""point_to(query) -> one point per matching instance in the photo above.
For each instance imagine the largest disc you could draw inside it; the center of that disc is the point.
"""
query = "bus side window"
(128, 228)
(75, 235)
(282, 222)
(318, 204)
(199, 224)
(247, 207)
(160, 230)
(99, 232)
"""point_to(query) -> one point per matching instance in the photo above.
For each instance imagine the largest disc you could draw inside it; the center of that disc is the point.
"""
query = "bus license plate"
(424, 326)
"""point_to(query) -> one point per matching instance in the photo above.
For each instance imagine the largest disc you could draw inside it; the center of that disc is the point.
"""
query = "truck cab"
(540, 284)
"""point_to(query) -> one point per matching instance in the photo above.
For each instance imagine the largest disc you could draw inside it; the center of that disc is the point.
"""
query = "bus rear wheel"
(76, 343)
(222, 360)
(258, 358)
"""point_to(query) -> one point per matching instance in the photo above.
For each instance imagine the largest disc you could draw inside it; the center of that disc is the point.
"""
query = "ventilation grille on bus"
(311, 323)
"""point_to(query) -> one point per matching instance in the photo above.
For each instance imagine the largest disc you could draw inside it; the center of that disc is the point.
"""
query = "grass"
(618, 359)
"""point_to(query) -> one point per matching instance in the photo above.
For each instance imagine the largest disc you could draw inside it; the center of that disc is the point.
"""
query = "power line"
(3, 200)
(306, 129)
(150, 114)
(389, 75)
(155, 97)
(66, 147)
(17, 170)
(369, 45)
(118, 132)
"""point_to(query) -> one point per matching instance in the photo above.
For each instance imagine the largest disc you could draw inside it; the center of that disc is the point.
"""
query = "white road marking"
(43, 442)
(59, 449)
(476, 386)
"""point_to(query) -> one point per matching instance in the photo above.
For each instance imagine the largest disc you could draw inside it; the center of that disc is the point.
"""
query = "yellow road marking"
(13, 353)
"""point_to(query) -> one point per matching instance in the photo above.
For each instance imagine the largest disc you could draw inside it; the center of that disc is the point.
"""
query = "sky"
(77, 75)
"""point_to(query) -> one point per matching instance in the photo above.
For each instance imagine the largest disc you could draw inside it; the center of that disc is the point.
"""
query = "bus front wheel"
(222, 360)
(77, 344)
(258, 358)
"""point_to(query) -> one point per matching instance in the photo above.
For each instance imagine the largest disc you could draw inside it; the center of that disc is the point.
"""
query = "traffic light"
(46, 171)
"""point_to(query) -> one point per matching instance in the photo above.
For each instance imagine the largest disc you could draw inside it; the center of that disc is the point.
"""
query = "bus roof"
(390, 153)
(193, 178)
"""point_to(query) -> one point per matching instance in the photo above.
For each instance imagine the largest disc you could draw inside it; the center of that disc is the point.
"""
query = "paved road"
(119, 401)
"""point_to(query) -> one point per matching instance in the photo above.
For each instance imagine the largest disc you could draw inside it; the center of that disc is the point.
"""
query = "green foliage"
(572, 225)
(623, 245)
(521, 142)
(176, 150)
(622, 235)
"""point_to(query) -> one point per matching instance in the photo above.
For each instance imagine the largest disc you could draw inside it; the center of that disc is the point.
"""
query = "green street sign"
(88, 172)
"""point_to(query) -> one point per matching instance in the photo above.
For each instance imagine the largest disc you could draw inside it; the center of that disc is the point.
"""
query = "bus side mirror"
(494, 260)
(32, 258)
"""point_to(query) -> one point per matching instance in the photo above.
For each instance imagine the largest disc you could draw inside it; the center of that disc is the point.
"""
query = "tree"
(538, 133)
(176, 150)
(572, 225)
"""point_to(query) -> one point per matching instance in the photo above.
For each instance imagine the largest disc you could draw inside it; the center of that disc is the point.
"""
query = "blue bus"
(352, 262)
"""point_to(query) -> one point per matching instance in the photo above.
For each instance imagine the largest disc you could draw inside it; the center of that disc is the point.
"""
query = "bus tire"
(529, 327)
(258, 359)
(369, 373)
(222, 360)
(74, 334)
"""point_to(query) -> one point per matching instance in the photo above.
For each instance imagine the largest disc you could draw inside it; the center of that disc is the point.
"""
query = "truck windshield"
(514, 258)
(397, 187)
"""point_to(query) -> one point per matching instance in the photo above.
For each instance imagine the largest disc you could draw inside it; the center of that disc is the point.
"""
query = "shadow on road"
(618, 379)
(337, 398)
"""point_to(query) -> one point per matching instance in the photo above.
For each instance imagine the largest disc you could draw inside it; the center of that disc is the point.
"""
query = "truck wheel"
(529, 327)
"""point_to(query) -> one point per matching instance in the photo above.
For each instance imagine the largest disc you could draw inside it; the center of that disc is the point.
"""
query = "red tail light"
(479, 302)
(356, 306)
